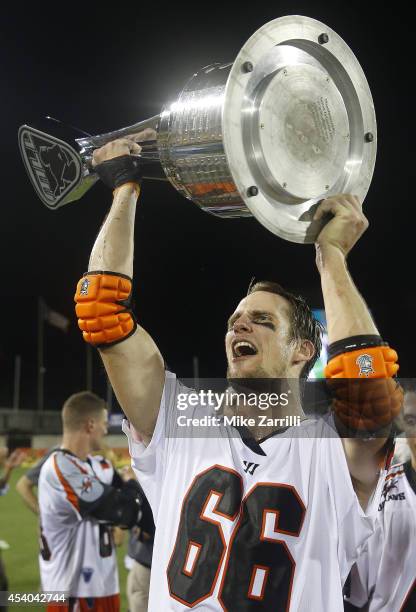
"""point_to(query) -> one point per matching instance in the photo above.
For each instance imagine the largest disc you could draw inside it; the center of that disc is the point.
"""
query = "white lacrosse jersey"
(386, 572)
(239, 527)
(77, 552)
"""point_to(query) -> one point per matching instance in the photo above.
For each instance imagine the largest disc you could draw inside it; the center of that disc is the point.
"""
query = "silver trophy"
(288, 123)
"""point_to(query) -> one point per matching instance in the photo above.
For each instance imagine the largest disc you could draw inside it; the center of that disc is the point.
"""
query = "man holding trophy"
(285, 536)
(247, 517)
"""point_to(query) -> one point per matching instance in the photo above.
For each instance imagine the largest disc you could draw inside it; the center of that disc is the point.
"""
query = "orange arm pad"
(372, 362)
(366, 397)
(103, 308)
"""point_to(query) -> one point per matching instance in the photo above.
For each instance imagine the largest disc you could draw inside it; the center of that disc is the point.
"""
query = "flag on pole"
(56, 319)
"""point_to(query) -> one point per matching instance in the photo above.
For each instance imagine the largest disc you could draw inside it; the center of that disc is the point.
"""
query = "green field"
(18, 527)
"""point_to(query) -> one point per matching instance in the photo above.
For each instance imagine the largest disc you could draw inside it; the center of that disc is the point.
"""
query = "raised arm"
(134, 365)
(347, 313)
(347, 316)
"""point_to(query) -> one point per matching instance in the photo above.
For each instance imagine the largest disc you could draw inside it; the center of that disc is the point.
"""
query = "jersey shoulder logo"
(365, 363)
(391, 490)
(389, 486)
(86, 485)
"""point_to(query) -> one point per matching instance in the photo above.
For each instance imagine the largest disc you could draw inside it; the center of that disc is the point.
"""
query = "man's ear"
(304, 352)
(89, 425)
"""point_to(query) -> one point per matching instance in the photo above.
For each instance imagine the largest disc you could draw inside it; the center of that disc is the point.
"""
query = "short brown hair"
(303, 324)
(80, 407)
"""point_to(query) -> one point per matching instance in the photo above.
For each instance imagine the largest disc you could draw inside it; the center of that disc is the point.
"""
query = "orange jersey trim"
(70, 493)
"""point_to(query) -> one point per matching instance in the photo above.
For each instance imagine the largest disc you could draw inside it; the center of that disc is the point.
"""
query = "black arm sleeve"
(126, 507)
(117, 506)
(117, 481)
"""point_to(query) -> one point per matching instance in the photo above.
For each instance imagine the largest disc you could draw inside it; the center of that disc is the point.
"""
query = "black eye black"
(264, 321)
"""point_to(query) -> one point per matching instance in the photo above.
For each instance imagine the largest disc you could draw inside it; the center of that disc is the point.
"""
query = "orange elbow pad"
(103, 301)
(366, 397)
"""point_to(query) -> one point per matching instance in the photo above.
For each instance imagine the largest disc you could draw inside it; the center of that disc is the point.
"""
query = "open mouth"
(243, 348)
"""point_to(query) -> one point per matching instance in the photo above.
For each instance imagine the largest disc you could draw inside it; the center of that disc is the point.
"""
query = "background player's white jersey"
(239, 530)
(77, 552)
(386, 572)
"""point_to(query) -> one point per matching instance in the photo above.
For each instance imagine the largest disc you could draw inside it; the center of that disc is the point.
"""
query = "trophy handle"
(61, 175)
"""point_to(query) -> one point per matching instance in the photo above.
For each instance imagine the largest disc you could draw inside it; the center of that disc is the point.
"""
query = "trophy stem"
(149, 152)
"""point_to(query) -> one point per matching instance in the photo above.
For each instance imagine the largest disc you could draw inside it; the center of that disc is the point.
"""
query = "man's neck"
(76, 444)
(267, 420)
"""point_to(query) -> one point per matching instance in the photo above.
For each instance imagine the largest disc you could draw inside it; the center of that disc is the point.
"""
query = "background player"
(8, 462)
(80, 497)
(385, 575)
(138, 561)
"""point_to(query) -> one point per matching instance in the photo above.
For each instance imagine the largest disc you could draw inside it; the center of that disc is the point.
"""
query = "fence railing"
(30, 421)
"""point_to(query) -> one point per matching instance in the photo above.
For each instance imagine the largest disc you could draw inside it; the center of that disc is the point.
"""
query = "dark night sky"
(101, 70)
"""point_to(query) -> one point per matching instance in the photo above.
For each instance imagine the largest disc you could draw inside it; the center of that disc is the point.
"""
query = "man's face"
(258, 343)
(98, 430)
(408, 420)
